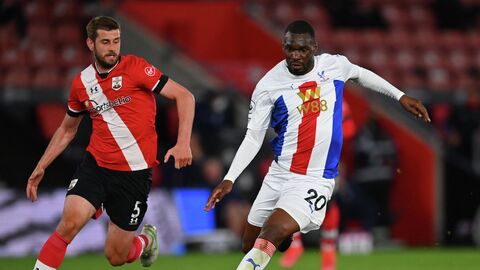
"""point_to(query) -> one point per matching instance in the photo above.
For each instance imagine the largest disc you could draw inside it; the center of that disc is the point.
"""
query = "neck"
(102, 69)
(310, 65)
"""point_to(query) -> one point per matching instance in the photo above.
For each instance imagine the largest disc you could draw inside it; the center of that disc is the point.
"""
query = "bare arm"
(60, 140)
(185, 101)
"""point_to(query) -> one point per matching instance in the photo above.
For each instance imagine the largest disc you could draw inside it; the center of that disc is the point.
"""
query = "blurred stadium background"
(219, 50)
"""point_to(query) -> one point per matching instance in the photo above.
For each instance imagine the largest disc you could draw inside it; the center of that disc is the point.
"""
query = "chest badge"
(117, 83)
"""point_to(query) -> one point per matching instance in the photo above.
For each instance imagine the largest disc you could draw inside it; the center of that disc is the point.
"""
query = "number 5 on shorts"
(135, 214)
(314, 196)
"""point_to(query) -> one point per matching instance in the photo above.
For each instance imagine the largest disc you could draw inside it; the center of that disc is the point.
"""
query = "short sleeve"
(147, 75)
(75, 105)
(349, 70)
(260, 110)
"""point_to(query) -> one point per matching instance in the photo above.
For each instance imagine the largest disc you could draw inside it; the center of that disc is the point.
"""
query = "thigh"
(127, 194)
(77, 212)
(305, 200)
(118, 241)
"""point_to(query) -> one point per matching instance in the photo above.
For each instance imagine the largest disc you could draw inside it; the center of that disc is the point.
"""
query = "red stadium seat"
(69, 33)
(379, 58)
(439, 79)
(473, 40)
(420, 15)
(38, 11)
(405, 59)
(15, 57)
(459, 59)
(432, 58)
(395, 15)
(8, 37)
(43, 56)
(39, 33)
(285, 12)
(47, 78)
(66, 10)
(399, 38)
(74, 55)
(453, 40)
(426, 39)
(18, 77)
(316, 15)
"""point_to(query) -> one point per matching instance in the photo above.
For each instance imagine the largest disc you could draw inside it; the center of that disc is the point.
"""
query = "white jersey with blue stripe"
(306, 113)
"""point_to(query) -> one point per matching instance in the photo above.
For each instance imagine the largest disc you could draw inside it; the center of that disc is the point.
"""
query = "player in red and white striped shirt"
(118, 94)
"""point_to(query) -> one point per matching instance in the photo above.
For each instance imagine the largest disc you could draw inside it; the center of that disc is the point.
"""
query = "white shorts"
(303, 197)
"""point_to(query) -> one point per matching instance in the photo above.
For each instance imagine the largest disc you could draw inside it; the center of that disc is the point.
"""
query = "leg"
(76, 213)
(118, 244)
(124, 247)
(278, 226)
(249, 237)
(126, 205)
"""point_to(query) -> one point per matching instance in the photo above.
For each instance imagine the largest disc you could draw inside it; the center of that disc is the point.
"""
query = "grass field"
(410, 259)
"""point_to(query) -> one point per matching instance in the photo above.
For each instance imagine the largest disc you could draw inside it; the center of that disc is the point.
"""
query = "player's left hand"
(181, 154)
(415, 107)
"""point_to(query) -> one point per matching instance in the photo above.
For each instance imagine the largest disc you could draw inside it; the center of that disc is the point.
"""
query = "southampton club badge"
(117, 83)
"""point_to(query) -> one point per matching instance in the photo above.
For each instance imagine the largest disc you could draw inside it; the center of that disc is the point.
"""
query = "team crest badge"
(150, 71)
(117, 83)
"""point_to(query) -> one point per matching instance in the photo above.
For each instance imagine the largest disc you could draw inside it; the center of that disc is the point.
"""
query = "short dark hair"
(103, 23)
(300, 27)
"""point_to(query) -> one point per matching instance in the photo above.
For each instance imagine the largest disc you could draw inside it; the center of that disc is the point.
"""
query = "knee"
(114, 258)
(68, 229)
(275, 233)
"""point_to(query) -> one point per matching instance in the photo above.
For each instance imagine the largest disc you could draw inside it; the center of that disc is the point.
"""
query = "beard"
(101, 60)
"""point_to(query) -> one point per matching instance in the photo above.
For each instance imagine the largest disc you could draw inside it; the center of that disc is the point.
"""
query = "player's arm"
(60, 140)
(372, 81)
(185, 101)
(246, 152)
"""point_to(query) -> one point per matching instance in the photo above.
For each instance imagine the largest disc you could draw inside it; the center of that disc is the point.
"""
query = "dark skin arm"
(415, 107)
(218, 193)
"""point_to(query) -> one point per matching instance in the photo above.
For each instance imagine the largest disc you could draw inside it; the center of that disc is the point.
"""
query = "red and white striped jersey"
(122, 108)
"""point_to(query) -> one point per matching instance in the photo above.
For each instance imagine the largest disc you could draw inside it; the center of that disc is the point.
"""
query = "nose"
(295, 55)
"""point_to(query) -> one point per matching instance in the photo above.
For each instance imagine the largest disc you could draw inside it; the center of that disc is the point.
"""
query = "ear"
(315, 46)
(90, 44)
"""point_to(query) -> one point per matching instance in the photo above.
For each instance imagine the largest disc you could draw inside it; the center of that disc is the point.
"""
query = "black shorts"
(123, 194)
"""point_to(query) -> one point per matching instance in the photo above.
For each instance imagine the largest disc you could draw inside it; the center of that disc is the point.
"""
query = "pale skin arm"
(185, 101)
(60, 140)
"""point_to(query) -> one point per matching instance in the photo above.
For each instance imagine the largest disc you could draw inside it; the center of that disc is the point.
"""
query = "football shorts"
(303, 197)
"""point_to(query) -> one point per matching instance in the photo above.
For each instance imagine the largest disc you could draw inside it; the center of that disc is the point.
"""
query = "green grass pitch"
(404, 259)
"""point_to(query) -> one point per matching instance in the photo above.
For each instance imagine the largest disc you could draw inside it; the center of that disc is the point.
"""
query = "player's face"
(106, 48)
(299, 50)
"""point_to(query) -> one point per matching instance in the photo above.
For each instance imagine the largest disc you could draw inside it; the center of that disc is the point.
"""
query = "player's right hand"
(218, 193)
(32, 184)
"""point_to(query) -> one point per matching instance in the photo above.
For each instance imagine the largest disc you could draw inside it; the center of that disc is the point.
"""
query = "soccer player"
(118, 94)
(301, 98)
